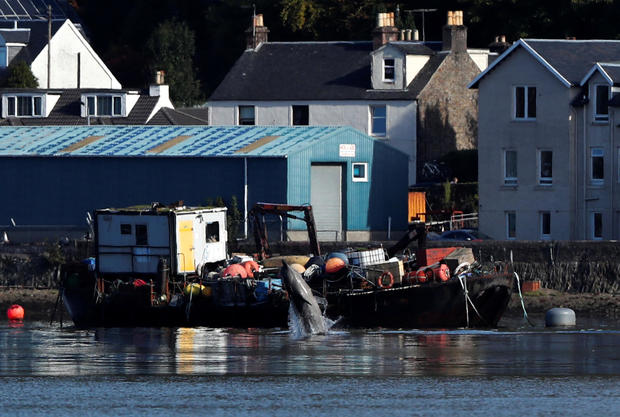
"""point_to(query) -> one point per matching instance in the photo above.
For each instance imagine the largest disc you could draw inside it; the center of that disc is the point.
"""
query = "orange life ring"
(386, 274)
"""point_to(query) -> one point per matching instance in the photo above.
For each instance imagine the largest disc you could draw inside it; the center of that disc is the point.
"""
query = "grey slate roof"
(570, 59)
(187, 116)
(613, 71)
(574, 58)
(413, 48)
(67, 111)
(308, 71)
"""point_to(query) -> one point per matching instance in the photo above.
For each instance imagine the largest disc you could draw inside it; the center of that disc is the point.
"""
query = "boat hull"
(435, 305)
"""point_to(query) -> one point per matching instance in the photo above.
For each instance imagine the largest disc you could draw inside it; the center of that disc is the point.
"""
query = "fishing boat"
(155, 266)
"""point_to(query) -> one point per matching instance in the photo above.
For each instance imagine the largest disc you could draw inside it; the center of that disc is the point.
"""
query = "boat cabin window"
(125, 229)
(141, 235)
(213, 232)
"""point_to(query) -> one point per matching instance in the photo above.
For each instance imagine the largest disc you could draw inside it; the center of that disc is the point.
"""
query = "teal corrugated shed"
(52, 174)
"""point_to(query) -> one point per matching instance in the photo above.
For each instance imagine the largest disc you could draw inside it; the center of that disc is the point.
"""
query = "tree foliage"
(120, 29)
(20, 76)
(171, 48)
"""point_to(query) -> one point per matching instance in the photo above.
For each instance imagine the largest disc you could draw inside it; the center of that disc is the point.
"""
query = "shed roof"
(190, 141)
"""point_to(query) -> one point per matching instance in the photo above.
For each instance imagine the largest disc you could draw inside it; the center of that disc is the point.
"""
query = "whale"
(303, 301)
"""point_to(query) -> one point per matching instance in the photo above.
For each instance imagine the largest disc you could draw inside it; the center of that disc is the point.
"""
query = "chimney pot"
(257, 33)
(385, 31)
(455, 33)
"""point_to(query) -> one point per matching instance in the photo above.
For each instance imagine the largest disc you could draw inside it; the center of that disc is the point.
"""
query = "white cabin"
(132, 240)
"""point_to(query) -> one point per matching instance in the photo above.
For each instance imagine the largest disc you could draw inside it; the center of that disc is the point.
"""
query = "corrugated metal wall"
(60, 190)
(367, 204)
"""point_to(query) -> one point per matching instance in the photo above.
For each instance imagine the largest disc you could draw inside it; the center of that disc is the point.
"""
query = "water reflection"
(37, 349)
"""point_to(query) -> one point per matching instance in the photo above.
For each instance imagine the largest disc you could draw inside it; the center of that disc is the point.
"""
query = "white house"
(410, 94)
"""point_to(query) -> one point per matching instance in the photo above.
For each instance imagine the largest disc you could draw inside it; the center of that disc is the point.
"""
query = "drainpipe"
(575, 185)
(583, 176)
(612, 179)
(245, 197)
(49, 42)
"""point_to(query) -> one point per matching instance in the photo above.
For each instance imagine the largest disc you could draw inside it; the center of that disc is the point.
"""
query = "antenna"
(422, 11)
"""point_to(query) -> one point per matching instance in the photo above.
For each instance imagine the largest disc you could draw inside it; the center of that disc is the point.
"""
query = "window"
(246, 115)
(597, 169)
(545, 167)
(125, 229)
(104, 105)
(142, 238)
(601, 110)
(597, 226)
(24, 106)
(511, 224)
(510, 167)
(525, 103)
(388, 70)
(545, 225)
(378, 121)
(360, 172)
(301, 116)
(212, 232)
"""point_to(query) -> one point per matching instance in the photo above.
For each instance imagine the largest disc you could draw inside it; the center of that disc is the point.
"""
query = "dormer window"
(22, 105)
(388, 70)
(104, 105)
(601, 109)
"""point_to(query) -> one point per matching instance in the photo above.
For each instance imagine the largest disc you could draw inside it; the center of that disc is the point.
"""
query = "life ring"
(386, 274)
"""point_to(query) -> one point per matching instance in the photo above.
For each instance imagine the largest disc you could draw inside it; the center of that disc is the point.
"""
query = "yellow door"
(186, 246)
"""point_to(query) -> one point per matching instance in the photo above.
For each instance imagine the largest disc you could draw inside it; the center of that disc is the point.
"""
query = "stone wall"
(448, 110)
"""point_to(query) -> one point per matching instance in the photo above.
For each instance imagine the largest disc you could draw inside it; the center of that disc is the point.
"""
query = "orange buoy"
(15, 312)
(386, 275)
(251, 267)
(334, 265)
(421, 275)
(234, 270)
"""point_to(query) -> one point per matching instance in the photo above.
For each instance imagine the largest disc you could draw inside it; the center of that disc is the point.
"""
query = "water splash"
(296, 327)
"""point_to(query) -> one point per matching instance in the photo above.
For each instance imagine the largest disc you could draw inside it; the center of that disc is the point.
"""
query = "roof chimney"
(385, 31)
(455, 33)
(499, 45)
(256, 33)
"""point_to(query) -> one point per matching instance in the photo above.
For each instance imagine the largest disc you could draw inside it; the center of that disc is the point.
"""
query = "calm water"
(513, 371)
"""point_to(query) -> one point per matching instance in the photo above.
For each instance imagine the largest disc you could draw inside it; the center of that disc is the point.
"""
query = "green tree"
(20, 76)
(171, 48)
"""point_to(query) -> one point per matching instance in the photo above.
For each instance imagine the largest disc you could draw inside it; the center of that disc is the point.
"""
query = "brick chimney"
(385, 31)
(454, 33)
(256, 33)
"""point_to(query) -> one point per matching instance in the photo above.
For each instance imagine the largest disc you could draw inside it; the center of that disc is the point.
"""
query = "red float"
(250, 268)
(234, 270)
(334, 265)
(15, 312)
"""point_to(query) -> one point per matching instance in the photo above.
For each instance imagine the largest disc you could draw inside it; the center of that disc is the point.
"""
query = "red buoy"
(15, 312)
(234, 270)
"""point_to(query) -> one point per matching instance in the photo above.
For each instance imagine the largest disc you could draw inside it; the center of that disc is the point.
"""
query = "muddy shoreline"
(39, 304)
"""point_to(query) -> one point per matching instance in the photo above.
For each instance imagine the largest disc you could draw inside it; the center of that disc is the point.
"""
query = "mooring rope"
(522, 303)
(463, 280)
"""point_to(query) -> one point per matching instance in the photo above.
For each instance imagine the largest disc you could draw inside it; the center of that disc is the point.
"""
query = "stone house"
(410, 94)
(548, 141)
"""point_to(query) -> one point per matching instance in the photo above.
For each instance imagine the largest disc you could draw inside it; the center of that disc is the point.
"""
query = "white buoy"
(560, 317)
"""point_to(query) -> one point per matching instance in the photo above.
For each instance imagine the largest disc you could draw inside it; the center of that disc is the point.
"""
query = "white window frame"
(508, 215)
(359, 179)
(371, 111)
(543, 235)
(544, 181)
(239, 114)
(596, 152)
(526, 92)
(16, 97)
(600, 117)
(385, 67)
(593, 216)
(510, 181)
(87, 99)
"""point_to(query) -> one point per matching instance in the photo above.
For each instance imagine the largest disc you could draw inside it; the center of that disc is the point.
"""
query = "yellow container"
(194, 289)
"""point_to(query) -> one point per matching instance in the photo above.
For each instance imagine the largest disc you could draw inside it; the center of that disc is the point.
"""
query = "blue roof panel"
(158, 140)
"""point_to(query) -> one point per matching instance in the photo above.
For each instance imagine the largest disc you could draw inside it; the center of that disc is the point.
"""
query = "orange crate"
(529, 286)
